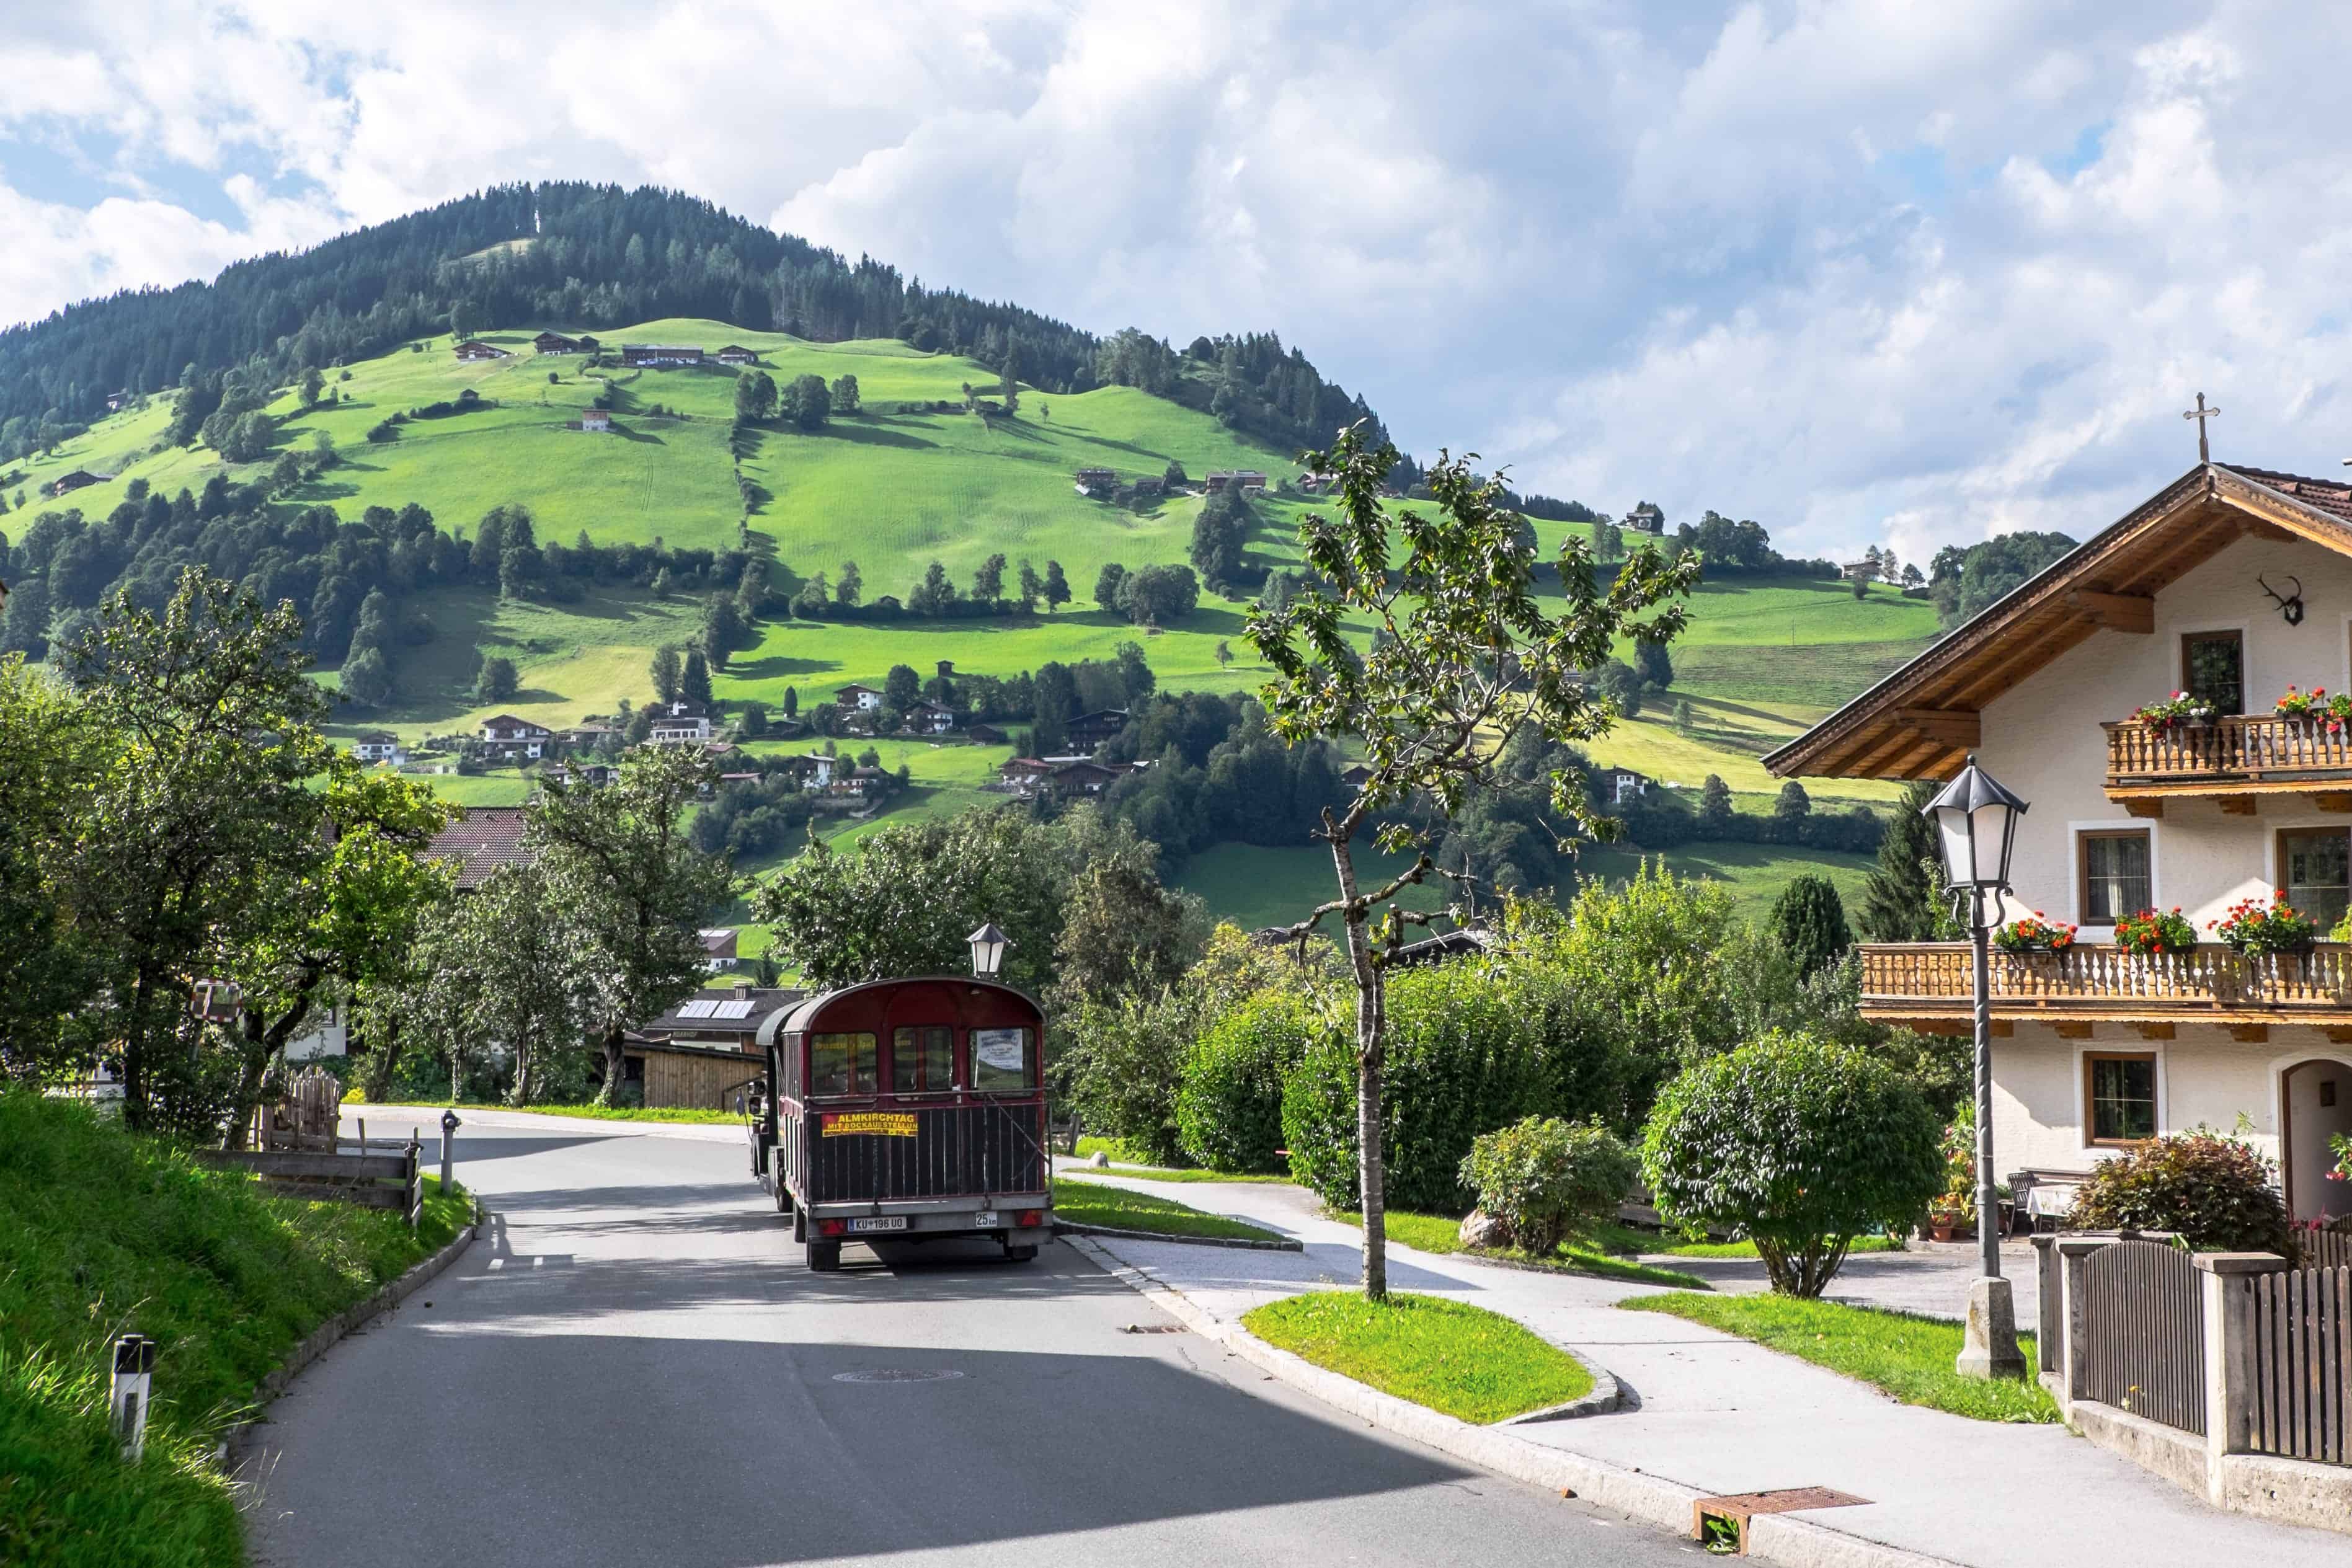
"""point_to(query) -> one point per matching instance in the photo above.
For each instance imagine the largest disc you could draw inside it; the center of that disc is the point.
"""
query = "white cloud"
(1864, 271)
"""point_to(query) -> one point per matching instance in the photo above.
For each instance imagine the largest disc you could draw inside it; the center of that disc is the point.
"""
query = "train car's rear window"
(922, 1060)
(842, 1064)
(1004, 1061)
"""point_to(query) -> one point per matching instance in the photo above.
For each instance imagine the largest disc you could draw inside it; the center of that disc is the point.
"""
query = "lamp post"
(1975, 825)
(988, 946)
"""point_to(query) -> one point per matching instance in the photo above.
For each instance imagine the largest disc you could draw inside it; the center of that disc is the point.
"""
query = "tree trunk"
(615, 1038)
(1371, 1039)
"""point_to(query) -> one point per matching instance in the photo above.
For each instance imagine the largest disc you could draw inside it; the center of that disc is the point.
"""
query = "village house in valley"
(660, 356)
(475, 349)
(596, 421)
(2233, 586)
(506, 738)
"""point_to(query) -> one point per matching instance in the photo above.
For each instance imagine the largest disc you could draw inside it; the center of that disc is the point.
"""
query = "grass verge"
(103, 1233)
(1908, 1357)
(1579, 1255)
(1130, 1162)
(1464, 1360)
(1091, 1203)
(1626, 1242)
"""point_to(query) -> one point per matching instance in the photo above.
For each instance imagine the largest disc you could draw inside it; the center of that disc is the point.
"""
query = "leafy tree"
(1800, 1144)
(1057, 587)
(806, 402)
(755, 396)
(663, 585)
(1219, 532)
(694, 679)
(988, 582)
(1810, 920)
(366, 678)
(844, 393)
(500, 967)
(2219, 1194)
(902, 688)
(1621, 685)
(24, 627)
(1715, 807)
(1032, 588)
(633, 892)
(51, 758)
(497, 681)
(1224, 654)
(1108, 582)
(850, 587)
(1792, 805)
(188, 839)
(935, 595)
(313, 384)
(754, 720)
(1472, 657)
(724, 631)
(1173, 475)
(1159, 595)
(1904, 899)
(1542, 1178)
(667, 671)
(1655, 666)
(1686, 718)
(792, 702)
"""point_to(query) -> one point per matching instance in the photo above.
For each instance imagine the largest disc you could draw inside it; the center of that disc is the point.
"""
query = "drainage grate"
(1730, 1515)
(895, 1374)
(1153, 1328)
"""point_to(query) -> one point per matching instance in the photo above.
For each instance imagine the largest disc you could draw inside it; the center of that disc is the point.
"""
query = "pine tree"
(1057, 587)
(694, 680)
(1714, 810)
(667, 672)
(1810, 920)
(1904, 899)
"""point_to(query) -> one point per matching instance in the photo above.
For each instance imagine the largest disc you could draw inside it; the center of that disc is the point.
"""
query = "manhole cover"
(895, 1374)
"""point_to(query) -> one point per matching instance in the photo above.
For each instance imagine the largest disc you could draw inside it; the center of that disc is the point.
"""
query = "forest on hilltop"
(599, 255)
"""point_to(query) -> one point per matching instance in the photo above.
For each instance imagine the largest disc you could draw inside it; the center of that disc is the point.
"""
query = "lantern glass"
(1975, 827)
(988, 944)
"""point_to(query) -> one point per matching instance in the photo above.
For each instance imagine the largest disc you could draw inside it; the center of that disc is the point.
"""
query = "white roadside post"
(1976, 823)
(450, 1126)
(134, 1366)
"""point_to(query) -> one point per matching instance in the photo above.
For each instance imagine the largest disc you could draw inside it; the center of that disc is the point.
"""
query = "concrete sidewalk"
(1717, 1413)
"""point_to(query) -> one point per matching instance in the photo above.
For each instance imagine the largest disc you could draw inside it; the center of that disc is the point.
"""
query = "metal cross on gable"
(2201, 413)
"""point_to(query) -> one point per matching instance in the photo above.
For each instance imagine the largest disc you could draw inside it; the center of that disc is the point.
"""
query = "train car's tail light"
(1031, 1218)
(833, 1228)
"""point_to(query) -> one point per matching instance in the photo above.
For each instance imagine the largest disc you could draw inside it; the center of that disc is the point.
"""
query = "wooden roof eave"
(1954, 673)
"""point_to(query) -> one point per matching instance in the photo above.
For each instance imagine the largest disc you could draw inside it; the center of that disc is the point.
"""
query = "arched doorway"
(2315, 1104)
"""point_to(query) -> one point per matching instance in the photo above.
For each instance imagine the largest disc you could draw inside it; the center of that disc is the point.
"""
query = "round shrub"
(1460, 1063)
(1229, 1103)
(1541, 1178)
(2215, 1192)
(1797, 1144)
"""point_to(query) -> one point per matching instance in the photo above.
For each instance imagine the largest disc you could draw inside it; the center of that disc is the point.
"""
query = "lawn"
(1908, 1357)
(1116, 1208)
(1123, 1164)
(1460, 1360)
(103, 1233)
(1579, 1255)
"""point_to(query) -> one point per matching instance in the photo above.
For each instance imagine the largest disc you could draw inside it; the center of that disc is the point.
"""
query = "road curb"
(1281, 1244)
(230, 1452)
(1653, 1500)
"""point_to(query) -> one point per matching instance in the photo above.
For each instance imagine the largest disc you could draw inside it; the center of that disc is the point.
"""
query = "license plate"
(880, 1222)
(984, 1220)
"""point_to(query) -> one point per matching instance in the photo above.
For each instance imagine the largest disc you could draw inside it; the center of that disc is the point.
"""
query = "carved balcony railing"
(1931, 979)
(2249, 753)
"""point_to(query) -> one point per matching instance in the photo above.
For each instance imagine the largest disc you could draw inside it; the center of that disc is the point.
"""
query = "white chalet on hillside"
(2231, 585)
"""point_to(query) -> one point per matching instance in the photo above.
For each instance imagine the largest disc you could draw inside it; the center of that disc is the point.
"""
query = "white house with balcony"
(2229, 585)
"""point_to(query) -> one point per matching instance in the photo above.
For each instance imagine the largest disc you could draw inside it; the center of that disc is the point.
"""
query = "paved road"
(635, 1368)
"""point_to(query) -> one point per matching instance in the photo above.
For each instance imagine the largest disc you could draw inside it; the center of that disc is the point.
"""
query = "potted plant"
(2176, 711)
(1953, 1209)
(2148, 933)
(2317, 707)
(2036, 933)
(2255, 928)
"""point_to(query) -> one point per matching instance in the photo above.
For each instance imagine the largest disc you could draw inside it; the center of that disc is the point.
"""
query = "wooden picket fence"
(2302, 1364)
(2143, 1344)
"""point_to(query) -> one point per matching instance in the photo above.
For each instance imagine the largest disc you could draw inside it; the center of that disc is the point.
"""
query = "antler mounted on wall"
(2290, 605)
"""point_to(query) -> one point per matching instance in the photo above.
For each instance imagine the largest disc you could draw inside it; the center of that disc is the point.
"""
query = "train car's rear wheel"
(825, 1257)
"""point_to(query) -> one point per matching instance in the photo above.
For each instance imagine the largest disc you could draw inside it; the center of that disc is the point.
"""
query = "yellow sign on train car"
(868, 1123)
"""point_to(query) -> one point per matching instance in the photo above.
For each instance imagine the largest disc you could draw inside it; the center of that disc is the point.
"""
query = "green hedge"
(1229, 1106)
(1462, 1061)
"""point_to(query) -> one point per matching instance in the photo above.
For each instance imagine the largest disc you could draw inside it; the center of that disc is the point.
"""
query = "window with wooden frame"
(2112, 869)
(2315, 872)
(2118, 1096)
(2213, 667)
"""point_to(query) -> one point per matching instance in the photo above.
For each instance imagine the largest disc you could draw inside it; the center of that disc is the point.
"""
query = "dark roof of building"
(489, 838)
(722, 1010)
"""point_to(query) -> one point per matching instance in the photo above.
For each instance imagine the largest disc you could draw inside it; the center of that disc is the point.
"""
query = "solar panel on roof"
(734, 1010)
(698, 1009)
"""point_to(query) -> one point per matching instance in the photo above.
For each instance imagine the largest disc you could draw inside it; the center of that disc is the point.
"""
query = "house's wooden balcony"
(1927, 986)
(2230, 760)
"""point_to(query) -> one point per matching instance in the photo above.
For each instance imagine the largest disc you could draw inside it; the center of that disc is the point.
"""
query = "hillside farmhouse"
(475, 349)
(509, 739)
(2230, 795)
(1088, 480)
(660, 356)
(490, 837)
(1060, 778)
(985, 735)
(864, 699)
(682, 729)
(557, 343)
(718, 949)
(79, 479)
(736, 354)
(1646, 518)
(1088, 731)
(1242, 479)
(931, 718)
(585, 735)
(597, 420)
(377, 745)
(1621, 785)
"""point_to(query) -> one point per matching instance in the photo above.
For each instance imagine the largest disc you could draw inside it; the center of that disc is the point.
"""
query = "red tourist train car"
(906, 1110)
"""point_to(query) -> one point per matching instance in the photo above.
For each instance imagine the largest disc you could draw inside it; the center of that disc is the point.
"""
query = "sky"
(1868, 272)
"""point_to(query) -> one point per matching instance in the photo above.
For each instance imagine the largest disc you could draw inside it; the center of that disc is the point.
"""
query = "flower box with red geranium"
(2317, 707)
(2253, 928)
(2035, 933)
(2148, 932)
(2175, 711)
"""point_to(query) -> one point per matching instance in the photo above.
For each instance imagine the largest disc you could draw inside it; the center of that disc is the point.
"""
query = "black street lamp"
(1976, 824)
(988, 946)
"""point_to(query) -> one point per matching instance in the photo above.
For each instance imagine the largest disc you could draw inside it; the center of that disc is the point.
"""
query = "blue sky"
(1869, 272)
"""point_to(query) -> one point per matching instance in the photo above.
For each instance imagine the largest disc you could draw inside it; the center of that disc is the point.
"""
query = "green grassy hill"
(893, 488)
